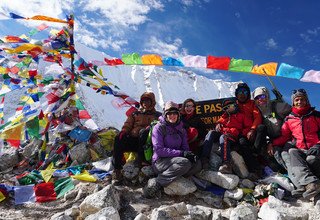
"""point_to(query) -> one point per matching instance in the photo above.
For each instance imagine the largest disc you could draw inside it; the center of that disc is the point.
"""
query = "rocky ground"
(126, 202)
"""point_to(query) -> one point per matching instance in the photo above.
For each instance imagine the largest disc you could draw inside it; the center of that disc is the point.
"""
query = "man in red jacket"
(254, 118)
(301, 129)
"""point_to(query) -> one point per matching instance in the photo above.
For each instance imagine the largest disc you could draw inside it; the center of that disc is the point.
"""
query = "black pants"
(261, 138)
(246, 151)
(129, 144)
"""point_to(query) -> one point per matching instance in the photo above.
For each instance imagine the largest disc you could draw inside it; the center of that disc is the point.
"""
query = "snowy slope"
(167, 85)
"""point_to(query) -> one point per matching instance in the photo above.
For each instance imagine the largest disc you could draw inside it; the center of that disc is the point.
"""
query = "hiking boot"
(152, 189)
(312, 189)
(117, 177)
(239, 166)
(226, 168)
(296, 193)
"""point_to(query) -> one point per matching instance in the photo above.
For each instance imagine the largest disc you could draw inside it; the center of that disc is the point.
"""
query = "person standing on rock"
(134, 133)
(172, 157)
(301, 130)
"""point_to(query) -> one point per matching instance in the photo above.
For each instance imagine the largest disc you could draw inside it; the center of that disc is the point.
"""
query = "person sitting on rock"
(301, 129)
(172, 157)
(273, 113)
(133, 134)
(252, 114)
(195, 127)
(230, 126)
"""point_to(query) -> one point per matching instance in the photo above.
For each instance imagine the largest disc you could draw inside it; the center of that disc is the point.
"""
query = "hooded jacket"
(142, 117)
(303, 130)
(169, 140)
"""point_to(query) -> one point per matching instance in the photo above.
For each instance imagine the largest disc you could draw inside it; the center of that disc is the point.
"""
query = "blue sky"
(262, 31)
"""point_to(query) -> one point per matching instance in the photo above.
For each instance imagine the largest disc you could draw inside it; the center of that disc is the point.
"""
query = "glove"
(190, 156)
(122, 134)
(315, 150)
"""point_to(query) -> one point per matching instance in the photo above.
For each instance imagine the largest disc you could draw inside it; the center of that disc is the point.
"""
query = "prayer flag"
(239, 65)
(220, 63)
(286, 70)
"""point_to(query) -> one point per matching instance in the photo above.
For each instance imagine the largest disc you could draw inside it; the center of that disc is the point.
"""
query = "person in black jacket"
(195, 127)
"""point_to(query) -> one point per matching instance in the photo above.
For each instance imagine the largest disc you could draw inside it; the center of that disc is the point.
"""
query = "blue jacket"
(168, 140)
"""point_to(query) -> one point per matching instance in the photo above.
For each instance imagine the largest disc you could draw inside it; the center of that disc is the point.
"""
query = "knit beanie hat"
(171, 106)
(260, 91)
(297, 93)
(242, 86)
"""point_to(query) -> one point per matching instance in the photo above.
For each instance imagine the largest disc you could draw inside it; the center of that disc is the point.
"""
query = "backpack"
(148, 147)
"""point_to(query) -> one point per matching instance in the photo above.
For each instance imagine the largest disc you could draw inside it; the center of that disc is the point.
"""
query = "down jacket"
(252, 113)
(234, 124)
(141, 118)
(303, 130)
(169, 140)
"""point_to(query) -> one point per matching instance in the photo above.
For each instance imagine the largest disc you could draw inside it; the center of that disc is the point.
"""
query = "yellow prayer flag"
(14, 132)
(46, 18)
(21, 48)
(85, 176)
(2, 197)
(268, 68)
(151, 59)
(47, 174)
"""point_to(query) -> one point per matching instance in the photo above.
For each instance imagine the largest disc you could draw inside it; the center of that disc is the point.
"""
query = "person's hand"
(315, 150)
(270, 149)
(122, 134)
(251, 135)
(190, 156)
(218, 127)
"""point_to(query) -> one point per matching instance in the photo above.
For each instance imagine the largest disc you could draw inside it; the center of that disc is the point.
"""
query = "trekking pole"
(274, 88)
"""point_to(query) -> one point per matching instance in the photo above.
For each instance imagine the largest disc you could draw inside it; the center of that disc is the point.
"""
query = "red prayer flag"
(113, 62)
(84, 114)
(220, 63)
(13, 143)
(33, 72)
(52, 98)
(45, 192)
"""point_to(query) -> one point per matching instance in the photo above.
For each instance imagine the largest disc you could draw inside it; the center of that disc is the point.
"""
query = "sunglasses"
(189, 106)
(243, 91)
(146, 101)
(228, 106)
(260, 97)
(299, 90)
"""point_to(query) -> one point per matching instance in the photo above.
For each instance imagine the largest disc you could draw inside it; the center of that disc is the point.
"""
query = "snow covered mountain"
(134, 80)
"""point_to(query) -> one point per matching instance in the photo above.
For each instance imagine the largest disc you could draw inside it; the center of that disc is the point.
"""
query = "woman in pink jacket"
(301, 128)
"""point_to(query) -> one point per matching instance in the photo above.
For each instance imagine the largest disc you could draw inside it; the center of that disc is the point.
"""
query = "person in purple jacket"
(171, 155)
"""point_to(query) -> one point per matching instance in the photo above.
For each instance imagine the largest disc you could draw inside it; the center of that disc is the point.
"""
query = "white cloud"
(290, 51)
(157, 46)
(56, 9)
(271, 44)
(306, 38)
(127, 13)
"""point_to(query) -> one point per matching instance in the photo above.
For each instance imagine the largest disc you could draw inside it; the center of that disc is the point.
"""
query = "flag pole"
(274, 88)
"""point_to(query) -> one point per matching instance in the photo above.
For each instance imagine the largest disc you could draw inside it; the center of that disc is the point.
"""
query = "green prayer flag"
(62, 186)
(33, 127)
(239, 65)
(131, 59)
(79, 105)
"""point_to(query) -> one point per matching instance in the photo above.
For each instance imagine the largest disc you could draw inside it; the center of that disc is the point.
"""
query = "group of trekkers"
(264, 132)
